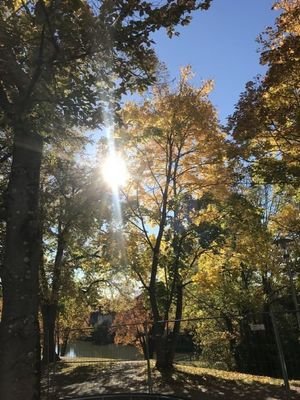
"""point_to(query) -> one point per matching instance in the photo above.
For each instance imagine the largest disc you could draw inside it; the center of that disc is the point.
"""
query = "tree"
(134, 326)
(265, 132)
(72, 214)
(244, 278)
(265, 124)
(59, 60)
(228, 285)
(176, 145)
(72, 316)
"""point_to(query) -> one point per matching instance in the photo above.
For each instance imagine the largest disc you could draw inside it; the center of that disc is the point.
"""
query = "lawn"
(108, 376)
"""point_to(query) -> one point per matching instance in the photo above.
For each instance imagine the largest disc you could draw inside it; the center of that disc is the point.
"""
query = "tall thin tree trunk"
(49, 313)
(19, 333)
(65, 342)
(50, 307)
(177, 324)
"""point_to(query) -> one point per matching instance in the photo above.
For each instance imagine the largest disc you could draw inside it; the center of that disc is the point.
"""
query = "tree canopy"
(265, 124)
(206, 225)
(177, 148)
(62, 64)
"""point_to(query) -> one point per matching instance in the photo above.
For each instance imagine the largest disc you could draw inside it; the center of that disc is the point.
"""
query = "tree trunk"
(232, 340)
(161, 348)
(19, 334)
(50, 307)
(49, 312)
(147, 345)
(65, 342)
(165, 344)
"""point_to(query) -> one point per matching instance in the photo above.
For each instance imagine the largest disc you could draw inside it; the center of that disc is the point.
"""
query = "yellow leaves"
(249, 250)
(177, 128)
(286, 5)
(289, 18)
(207, 215)
(17, 4)
(237, 377)
(287, 220)
(271, 130)
(207, 279)
(186, 74)
(209, 274)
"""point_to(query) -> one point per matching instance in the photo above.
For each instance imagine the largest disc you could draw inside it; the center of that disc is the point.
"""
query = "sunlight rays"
(115, 174)
(114, 170)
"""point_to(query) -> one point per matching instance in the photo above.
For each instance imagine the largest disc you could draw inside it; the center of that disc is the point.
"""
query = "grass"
(196, 383)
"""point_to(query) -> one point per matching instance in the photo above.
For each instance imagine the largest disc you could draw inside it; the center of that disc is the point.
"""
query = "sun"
(114, 171)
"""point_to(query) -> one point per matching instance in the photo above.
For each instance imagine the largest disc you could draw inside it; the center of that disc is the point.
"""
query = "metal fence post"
(294, 293)
(280, 354)
(148, 359)
(46, 339)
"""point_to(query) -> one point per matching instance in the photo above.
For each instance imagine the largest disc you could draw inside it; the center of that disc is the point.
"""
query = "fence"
(255, 354)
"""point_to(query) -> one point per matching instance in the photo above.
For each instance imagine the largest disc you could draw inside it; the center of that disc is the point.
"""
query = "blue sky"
(220, 44)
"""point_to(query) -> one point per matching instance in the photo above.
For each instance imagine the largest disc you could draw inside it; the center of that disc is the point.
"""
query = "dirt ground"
(68, 380)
